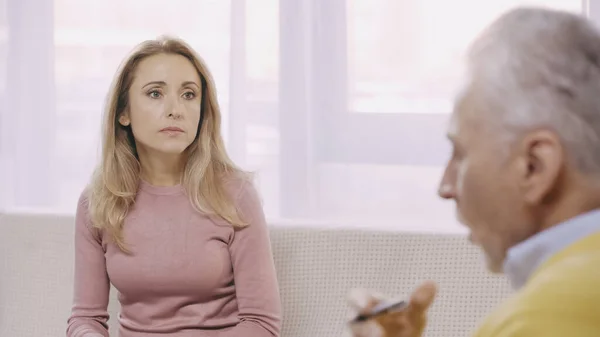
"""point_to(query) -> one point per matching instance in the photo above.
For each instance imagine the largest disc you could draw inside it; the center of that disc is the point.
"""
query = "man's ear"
(542, 159)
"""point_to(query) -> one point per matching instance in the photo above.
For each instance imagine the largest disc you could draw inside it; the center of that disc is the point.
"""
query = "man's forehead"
(458, 112)
(467, 114)
(452, 128)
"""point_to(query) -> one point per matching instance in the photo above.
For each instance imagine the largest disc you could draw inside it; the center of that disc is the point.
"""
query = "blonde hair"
(116, 180)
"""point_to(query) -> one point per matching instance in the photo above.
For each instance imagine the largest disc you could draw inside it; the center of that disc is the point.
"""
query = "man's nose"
(445, 190)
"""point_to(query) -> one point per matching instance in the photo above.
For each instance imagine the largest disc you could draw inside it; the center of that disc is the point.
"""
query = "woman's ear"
(124, 120)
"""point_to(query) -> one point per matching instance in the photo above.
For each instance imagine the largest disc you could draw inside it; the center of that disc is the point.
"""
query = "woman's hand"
(408, 322)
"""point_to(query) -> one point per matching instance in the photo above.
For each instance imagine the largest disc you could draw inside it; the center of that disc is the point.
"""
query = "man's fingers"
(362, 300)
(422, 297)
(393, 321)
(405, 322)
(367, 329)
(410, 319)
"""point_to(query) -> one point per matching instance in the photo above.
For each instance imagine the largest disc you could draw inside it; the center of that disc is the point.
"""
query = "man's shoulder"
(547, 323)
(567, 277)
(567, 288)
(566, 285)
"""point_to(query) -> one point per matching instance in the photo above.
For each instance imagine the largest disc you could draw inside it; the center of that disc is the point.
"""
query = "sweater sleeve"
(255, 279)
(89, 315)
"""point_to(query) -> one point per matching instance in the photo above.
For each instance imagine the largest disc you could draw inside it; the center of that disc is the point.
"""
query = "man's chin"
(493, 266)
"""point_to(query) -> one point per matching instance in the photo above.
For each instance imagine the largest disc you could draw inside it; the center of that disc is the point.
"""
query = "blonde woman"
(168, 219)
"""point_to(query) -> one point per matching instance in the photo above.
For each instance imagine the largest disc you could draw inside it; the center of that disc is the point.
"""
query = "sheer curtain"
(339, 106)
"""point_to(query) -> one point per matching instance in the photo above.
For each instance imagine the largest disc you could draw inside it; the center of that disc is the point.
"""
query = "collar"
(524, 258)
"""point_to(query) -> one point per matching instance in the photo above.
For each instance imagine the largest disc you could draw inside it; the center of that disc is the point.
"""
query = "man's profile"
(525, 176)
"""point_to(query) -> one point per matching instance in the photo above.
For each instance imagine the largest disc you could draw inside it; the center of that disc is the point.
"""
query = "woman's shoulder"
(83, 202)
(240, 186)
(83, 217)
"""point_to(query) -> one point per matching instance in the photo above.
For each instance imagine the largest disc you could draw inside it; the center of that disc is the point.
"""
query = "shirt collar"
(524, 258)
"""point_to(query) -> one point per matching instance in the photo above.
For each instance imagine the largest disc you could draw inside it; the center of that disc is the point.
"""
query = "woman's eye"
(189, 95)
(154, 94)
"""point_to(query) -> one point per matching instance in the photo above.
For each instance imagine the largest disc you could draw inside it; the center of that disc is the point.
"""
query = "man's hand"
(409, 322)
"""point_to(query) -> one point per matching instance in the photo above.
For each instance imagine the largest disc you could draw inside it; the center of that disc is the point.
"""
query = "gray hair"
(540, 68)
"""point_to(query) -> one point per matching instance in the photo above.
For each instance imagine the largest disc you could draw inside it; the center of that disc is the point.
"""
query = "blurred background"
(339, 106)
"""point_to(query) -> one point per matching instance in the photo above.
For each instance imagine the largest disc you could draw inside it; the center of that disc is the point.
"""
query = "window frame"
(308, 140)
(341, 131)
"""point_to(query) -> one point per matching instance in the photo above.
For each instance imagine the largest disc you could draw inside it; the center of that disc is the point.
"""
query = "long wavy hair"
(116, 180)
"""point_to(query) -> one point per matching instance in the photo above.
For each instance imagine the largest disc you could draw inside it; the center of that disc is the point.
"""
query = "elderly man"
(525, 176)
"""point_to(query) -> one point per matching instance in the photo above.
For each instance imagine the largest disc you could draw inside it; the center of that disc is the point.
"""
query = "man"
(525, 176)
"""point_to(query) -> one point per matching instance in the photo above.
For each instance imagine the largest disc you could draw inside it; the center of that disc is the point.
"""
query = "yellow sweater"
(561, 299)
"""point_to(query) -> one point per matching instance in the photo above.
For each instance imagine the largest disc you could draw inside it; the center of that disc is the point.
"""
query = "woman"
(168, 219)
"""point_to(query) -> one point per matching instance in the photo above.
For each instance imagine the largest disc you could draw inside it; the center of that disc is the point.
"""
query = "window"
(405, 56)
(5, 151)
(388, 73)
(339, 106)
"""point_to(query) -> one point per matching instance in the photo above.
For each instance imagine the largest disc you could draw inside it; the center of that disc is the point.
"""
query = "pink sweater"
(188, 276)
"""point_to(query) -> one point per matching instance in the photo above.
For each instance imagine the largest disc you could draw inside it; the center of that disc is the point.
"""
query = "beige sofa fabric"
(316, 267)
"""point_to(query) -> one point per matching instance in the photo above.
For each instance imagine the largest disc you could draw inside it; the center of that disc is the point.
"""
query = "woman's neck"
(162, 170)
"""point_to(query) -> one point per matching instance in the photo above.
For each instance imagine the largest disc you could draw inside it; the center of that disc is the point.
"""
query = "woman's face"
(164, 105)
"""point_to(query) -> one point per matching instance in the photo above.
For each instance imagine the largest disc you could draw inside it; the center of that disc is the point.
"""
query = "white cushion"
(316, 267)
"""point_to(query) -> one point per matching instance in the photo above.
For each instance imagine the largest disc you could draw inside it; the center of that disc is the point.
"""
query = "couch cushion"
(316, 267)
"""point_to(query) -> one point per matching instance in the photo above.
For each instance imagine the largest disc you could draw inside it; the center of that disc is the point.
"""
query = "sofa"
(316, 267)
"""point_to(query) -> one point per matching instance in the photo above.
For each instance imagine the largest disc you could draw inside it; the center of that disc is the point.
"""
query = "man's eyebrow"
(456, 143)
